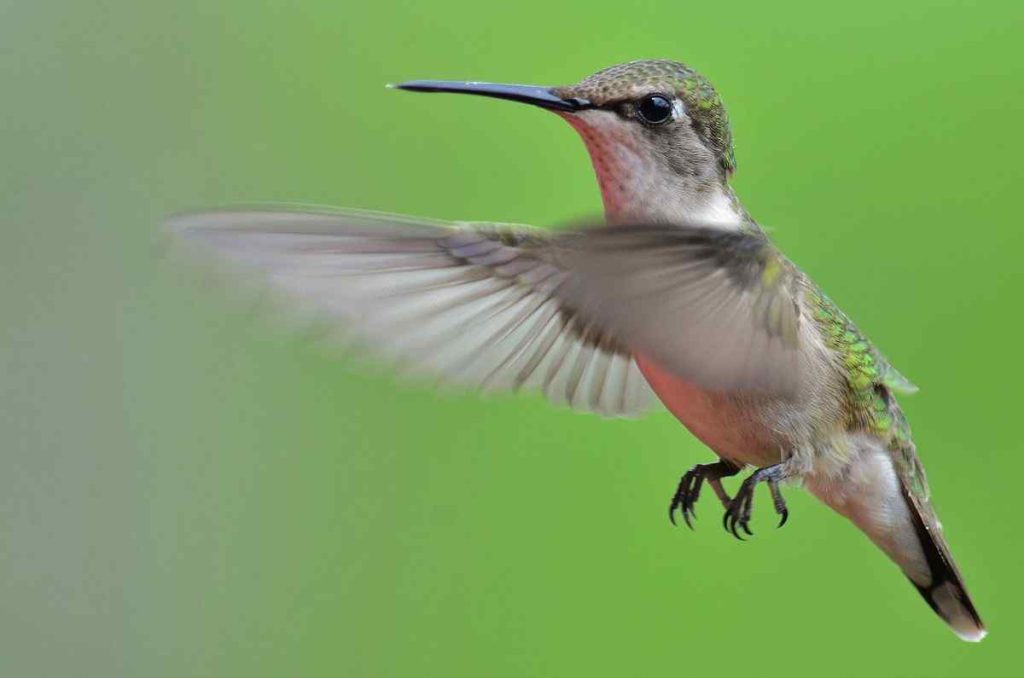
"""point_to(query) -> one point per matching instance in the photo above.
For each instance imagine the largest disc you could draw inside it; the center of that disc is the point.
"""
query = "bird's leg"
(737, 513)
(688, 491)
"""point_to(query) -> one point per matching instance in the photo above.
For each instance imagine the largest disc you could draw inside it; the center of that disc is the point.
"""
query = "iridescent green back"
(871, 382)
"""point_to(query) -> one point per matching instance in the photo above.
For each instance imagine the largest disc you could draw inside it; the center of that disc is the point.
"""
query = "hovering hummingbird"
(679, 295)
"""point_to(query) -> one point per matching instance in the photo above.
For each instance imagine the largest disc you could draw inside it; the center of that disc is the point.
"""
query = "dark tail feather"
(946, 592)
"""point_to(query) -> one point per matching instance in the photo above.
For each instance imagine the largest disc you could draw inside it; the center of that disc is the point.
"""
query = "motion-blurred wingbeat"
(679, 296)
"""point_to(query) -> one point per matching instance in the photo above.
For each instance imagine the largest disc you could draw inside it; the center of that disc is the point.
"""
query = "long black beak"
(527, 94)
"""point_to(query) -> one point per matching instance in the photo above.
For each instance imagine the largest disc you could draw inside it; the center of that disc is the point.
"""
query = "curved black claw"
(688, 492)
(730, 525)
(686, 496)
(737, 514)
(778, 501)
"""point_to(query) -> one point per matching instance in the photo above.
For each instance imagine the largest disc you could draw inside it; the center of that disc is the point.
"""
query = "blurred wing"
(718, 308)
(472, 304)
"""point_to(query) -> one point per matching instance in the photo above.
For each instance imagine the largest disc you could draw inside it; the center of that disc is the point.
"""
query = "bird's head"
(657, 133)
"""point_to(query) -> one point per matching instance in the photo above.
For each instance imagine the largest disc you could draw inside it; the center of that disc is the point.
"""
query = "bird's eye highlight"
(654, 109)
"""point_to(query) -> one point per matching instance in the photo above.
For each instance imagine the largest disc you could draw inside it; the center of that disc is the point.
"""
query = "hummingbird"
(677, 296)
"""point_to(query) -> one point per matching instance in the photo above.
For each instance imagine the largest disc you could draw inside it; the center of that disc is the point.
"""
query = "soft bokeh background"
(186, 491)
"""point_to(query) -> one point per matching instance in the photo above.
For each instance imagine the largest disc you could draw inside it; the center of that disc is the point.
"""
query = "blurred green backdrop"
(186, 491)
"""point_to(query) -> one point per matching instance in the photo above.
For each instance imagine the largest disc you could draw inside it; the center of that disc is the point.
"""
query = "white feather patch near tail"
(869, 492)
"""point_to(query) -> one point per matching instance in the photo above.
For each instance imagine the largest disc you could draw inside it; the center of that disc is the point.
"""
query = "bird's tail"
(944, 589)
(877, 500)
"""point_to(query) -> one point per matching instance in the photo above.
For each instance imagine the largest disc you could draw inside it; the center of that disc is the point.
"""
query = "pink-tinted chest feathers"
(716, 419)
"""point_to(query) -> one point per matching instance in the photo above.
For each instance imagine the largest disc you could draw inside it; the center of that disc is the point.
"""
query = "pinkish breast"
(721, 421)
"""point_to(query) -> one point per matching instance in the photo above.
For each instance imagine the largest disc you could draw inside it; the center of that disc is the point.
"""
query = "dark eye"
(654, 109)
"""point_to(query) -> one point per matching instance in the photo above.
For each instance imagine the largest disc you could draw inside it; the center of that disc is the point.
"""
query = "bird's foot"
(688, 491)
(738, 512)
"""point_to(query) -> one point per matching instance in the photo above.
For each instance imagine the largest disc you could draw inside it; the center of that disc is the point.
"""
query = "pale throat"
(633, 187)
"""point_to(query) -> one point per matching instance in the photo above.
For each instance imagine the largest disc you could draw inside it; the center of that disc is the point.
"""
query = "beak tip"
(415, 86)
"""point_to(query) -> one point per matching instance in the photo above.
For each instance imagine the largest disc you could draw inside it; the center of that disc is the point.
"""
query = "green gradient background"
(186, 491)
